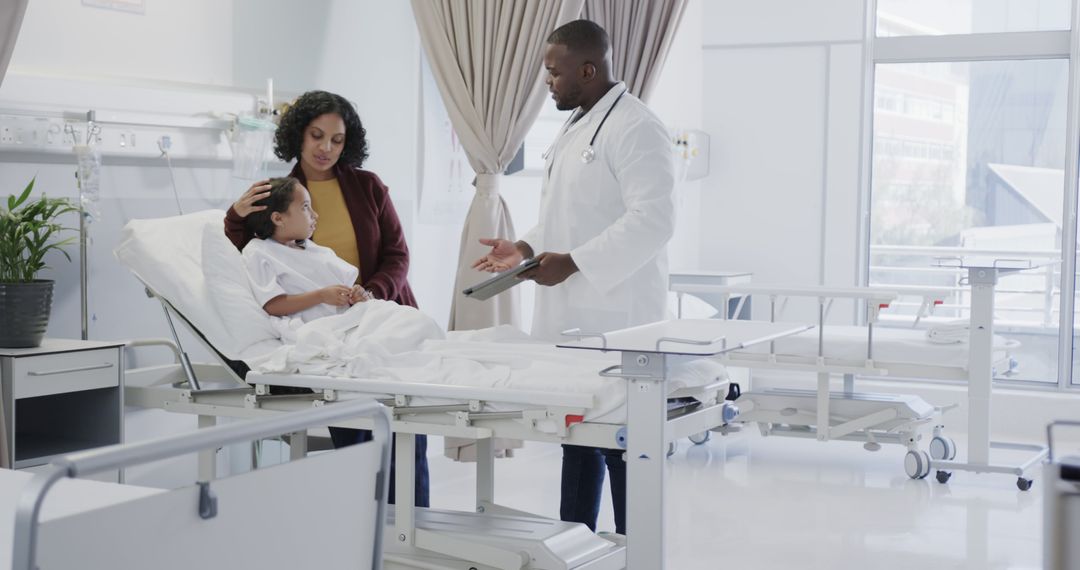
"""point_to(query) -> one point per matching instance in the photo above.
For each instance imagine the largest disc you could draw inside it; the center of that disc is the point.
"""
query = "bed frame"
(882, 418)
(415, 536)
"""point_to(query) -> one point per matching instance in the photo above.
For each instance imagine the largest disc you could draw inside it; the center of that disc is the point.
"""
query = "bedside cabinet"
(702, 284)
(62, 397)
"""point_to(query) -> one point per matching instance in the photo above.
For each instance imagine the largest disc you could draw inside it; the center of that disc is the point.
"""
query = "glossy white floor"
(744, 501)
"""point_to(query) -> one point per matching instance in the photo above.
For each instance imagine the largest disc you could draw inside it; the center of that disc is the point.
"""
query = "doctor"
(606, 215)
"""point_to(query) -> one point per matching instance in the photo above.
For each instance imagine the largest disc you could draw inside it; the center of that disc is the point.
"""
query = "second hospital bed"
(868, 351)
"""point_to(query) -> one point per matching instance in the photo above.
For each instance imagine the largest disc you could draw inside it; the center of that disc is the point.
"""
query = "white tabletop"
(703, 281)
(711, 336)
(55, 345)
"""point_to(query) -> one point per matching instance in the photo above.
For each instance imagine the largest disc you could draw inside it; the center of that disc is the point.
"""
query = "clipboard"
(500, 282)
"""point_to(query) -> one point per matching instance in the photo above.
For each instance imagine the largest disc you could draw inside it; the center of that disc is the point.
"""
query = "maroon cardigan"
(384, 256)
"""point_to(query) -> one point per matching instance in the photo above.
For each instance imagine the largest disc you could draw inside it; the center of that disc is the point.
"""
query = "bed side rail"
(182, 356)
(125, 455)
(875, 300)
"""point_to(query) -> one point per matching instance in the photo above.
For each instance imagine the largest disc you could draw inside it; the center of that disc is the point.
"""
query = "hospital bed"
(61, 522)
(876, 352)
(657, 388)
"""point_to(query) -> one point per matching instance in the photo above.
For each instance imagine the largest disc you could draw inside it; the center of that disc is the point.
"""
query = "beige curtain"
(487, 59)
(641, 33)
(11, 16)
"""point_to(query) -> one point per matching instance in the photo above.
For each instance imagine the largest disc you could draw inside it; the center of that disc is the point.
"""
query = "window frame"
(999, 46)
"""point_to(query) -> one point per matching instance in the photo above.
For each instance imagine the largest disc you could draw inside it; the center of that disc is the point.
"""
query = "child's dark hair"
(281, 196)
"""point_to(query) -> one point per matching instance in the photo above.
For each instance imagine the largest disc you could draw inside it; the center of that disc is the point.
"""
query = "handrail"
(1023, 299)
(967, 251)
(125, 455)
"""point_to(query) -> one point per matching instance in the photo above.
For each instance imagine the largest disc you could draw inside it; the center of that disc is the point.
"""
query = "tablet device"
(500, 282)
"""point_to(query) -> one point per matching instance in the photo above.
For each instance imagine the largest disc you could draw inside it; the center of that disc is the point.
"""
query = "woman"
(357, 220)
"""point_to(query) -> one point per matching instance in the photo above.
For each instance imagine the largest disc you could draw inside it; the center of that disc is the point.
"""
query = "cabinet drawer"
(64, 372)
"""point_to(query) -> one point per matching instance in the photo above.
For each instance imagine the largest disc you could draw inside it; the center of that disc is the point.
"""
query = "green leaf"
(29, 228)
(22, 198)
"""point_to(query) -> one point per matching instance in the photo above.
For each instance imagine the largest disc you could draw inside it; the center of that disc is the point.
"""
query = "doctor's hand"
(554, 268)
(504, 255)
(244, 205)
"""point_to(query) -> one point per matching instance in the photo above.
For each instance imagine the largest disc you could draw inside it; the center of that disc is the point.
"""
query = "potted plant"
(29, 228)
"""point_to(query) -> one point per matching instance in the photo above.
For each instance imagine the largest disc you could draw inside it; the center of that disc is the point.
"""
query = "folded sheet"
(949, 333)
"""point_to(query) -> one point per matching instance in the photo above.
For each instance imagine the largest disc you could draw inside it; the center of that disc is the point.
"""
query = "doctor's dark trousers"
(583, 485)
(343, 437)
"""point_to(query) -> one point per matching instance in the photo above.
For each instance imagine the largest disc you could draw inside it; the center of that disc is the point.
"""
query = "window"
(938, 17)
(968, 158)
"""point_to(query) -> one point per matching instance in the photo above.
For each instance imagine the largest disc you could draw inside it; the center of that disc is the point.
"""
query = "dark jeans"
(583, 483)
(347, 436)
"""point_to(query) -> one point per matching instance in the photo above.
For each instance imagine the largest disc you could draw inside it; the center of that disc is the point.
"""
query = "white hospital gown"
(277, 269)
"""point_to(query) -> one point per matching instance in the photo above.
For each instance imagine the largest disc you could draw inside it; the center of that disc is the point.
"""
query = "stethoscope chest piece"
(588, 155)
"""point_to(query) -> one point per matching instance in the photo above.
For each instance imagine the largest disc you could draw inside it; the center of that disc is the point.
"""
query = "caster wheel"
(917, 464)
(942, 448)
(700, 438)
(943, 476)
(672, 448)
(1024, 484)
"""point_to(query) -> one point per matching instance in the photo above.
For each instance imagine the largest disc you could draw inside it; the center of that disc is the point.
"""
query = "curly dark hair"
(289, 139)
(281, 195)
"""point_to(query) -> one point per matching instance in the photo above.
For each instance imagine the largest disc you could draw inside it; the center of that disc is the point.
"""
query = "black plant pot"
(24, 313)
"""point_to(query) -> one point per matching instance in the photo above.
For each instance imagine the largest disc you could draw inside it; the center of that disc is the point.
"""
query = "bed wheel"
(672, 447)
(700, 438)
(943, 476)
(1024, 484)
(917, 464)
(942, 448)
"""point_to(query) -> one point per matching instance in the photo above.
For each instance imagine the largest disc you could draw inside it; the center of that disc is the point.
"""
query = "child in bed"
(290, 274)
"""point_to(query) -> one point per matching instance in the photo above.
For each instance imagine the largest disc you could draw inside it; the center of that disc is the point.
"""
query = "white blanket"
(378, 340)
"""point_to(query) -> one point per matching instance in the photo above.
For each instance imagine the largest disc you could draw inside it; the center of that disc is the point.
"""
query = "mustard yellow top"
(334, 228)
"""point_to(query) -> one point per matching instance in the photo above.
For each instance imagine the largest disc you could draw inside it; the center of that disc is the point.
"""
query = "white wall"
(782, 106)
(189, 41)
(679, 101)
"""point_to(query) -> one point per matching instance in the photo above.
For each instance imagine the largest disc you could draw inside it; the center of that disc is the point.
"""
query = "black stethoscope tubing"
(604, 120)
(587, 154)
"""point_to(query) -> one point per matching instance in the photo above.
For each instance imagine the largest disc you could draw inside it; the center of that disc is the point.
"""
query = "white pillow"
(189, 261)
(230, 292)
(166, 255)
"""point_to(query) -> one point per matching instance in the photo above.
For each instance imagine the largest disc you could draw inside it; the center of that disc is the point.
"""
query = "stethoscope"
(589, 153)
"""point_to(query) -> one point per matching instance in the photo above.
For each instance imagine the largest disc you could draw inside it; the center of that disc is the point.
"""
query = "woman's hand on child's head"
(359, 295)
(244, 205)
(336, 295)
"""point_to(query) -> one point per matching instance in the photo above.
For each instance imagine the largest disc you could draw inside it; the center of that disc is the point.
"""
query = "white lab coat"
(613, 215)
